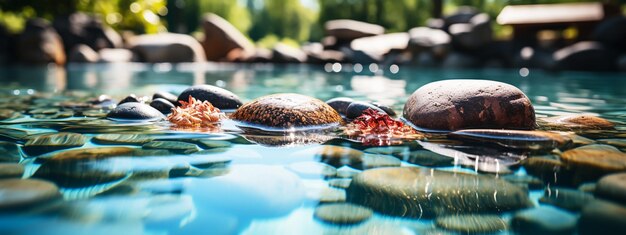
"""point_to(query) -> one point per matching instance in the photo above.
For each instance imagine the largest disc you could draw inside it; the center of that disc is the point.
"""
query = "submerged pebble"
(130, 139)
(577, 122)
(602, 217)
(218, 97)
(472, 223)
(544, 220)
(427, 158)
(565, 198)
(287, 111)
(515, 139)
(18, 194)
(342, 213)
(50, 142)
(612, 187)
(355, 109)
(11, 170)
(340, 156)
(135, 111)
(591, 162)
(312, 169)
(417, 192)
(174, 146)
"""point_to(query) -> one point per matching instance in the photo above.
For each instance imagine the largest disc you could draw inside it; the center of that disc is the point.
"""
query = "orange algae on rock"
(379, 129)
(194, 113)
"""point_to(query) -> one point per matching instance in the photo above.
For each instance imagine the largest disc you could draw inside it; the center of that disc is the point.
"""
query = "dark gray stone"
(135, 111)
(544, 220)
(218, 97)
(80, 28)
(165, 95)
(129, 98)
(355, 109)
(602, 217)
(592, 56)
(39, 43)
(612, 32)
(388, 110)
(164, 106)
(340, 104)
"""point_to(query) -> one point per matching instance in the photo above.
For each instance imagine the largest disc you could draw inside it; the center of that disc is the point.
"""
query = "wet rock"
(576, 122)
(8, 114)
(218, 97)
(166, 48)
(162, 105)
(130, 98)
(398, 151)
(287, 110)
(428, 158)
(457, 104)
(80, 28)
(400, 191)
(370, 161)
(116, 55)
(50, 142)
(347, 172)
(592, 56)
(472, 224)
(612, 187)
(129, 139)
(340, 104)
(348, 30)
(342, 213)
(211, 144)
(340, 156)
(463, 14)
(620, 143)
(339, 183)
(543, 220)
(612, 32)
(83, 54)
(286, 139)
(547, 169)
(587, 187)
(435, 41)
(18, 194)
(39, 43)
(374, 48)
(565, 198)
(355, 109)
(165, 95)
(525, 180)
(326, 56)
(388, 110)
(220, 38)
(591, 163)
(174, 146)
(9, 152)
(472, 35)
(135, 111)
(602, 217)
(282, 53)
(312, 169)
(11, 170)
(525, 140)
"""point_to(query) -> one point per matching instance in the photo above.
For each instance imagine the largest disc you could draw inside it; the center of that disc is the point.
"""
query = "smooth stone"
(587, 187)
(9, 152)
(620, 143)
(17, 194)
(340, 104)
(388, 150)
(428, 158)
(164, 106)
(50, 142)
(589, 164)
(515, 139)
(347, 172)
(388, 110)
(529, 181)
(355, 109)
(287, 110)
(343, 183)
(546, 169)
(39, 44)
(580, 141)
(130, 98)
(173, 99)
(312, 169)
(565, 198)
(218, 97)
(283, 53)
(373, 49)
(602, 217)
(286, 139)
(135, 111)
(467, 103)
(544, 220)
(166, 48)
(471, 224)
(586, 56)
(130, 139)
(612, 187)
(11, 170)
(370, 161)
(211, 144)
(328, 195)
(342, 213)
(340, 156)
(221, 38)
(417, 192)
(348, 30)
(577, 122)
(174, 146)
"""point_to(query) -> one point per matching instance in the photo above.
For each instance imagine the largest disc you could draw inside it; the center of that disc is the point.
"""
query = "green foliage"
(285, 19)
(231, 11)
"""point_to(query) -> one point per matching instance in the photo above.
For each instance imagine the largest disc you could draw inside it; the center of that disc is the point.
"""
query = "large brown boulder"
(221, 37)
(469, 103)
(348, 30)
(40, 44)
(80, 28)
(166, 47)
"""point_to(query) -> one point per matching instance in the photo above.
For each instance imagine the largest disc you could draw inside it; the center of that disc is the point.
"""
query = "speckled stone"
(218, 97)
(589, 163)
(612, 187)
(340, 104)
(472, 224)
(287, 110)
(164, 106)
(544, 220)
(355, 109)
(17, 194)
(466, 103)
(515, 139)
(576, 122)
(342, 213)
(135, 111)
(418, 192)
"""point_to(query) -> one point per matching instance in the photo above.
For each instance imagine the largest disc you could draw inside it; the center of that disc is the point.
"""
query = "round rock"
(11, 170)
(129, 98)
(218, 97)
(544, 220)
(287, 110)
(342, 213)
(162, 105)
(355, 109)
(612, 187)
(165, 95)
(16, 194)
(472, 224)
(135, 111)
(420, 192)
(340, 104)
(467, 103)
(51, 142)
(591, 162)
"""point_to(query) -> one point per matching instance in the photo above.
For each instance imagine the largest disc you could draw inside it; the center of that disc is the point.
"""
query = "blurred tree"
(284, 19)
(232, 11)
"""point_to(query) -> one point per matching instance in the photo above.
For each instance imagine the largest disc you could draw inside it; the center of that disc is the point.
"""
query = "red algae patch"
(379, 129)
(194, 113)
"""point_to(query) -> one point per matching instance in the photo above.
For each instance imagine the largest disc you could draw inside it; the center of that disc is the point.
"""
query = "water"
(227, 184)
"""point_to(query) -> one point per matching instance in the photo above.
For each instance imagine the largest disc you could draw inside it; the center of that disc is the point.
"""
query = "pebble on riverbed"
(218, 97)
(466, 103)
(342, 213)
(590, 162)
(135, 111)
(287, 111)
(544, 220)
(576, 122)
(472, 223)
(17, 194)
